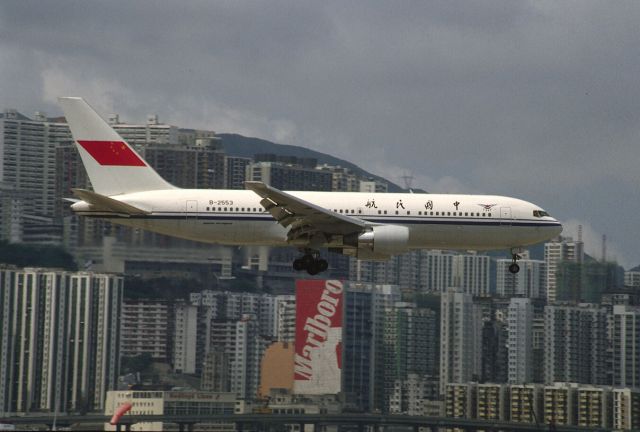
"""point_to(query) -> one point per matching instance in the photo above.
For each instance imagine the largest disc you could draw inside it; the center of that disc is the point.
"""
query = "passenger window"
(420, 213)
(467, 214)
(408, 212)
(385, 212)
(379, 211)
(431, 213)
(207, 208)
(359, 211)
(437, 213)
(396, 211)
(225, 209)
(489, 214)
(448, 213)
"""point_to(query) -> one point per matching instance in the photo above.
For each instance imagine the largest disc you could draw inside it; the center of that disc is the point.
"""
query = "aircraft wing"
(305, 219)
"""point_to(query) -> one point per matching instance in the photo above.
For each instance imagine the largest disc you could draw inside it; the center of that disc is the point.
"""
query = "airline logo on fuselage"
(112, 153)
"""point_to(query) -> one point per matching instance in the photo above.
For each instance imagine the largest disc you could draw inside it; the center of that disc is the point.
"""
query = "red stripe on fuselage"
(113, 153)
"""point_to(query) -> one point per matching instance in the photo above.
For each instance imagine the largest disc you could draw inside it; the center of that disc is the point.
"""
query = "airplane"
(368, 226)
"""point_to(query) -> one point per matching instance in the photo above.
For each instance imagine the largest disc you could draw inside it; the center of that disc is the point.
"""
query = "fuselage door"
(505, 216)
(191, 209)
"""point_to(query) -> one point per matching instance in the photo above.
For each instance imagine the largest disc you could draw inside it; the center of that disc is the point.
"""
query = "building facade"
(60, 339)
(575, 344)
(460, 339)
(520, 341)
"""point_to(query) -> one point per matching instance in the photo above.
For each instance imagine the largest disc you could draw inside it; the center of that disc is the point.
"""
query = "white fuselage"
(236, 217)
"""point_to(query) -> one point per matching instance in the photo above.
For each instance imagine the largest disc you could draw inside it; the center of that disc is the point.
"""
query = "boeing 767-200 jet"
(370, 226)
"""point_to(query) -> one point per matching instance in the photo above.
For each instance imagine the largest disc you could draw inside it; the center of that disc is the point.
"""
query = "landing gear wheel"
(299, 264)
(311, 262)
(307, 259)
(314, 268)
(323, 265)
(514, 267)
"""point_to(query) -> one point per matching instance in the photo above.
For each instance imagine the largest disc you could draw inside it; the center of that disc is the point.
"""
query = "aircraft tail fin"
(113, 167)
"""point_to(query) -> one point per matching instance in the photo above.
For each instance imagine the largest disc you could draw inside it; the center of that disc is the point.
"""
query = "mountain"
(238, 145)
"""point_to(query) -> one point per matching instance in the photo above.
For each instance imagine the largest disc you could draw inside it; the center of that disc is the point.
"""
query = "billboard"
(318, 353)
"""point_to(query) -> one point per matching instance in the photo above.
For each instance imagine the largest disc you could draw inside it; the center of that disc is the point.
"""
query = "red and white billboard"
(318, 357)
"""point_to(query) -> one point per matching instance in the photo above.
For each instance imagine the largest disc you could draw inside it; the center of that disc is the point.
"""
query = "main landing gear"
(514, 267)
(311, 262)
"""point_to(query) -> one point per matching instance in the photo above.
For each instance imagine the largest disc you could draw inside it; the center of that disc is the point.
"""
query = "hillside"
(238, 145)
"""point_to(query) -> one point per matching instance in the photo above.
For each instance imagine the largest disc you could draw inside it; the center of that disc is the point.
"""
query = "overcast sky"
(534, 99)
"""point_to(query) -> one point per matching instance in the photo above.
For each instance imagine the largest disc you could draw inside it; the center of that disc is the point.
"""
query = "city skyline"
(526, 99)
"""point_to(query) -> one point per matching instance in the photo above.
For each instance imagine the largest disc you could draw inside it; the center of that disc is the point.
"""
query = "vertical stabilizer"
(113, 167)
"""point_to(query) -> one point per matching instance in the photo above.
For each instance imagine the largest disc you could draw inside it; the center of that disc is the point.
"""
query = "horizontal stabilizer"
(105, 203)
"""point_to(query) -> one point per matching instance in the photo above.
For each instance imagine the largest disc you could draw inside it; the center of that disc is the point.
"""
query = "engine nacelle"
(382, 242)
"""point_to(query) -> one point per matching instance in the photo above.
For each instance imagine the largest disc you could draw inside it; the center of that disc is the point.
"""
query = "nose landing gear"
(514, 267)
(311, 262)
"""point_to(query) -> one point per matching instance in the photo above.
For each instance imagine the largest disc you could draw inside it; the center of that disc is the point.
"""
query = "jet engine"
(381, 242)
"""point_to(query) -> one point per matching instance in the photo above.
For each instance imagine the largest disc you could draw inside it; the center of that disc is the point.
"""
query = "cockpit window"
(540, 213)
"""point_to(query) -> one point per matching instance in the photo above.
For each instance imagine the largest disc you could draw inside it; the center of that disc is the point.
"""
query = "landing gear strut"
(311, 262)
(514, 267)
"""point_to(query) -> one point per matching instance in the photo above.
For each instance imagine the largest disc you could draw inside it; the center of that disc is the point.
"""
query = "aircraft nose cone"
(556, 230)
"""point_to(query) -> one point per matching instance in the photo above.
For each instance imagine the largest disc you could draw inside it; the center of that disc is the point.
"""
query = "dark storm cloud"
(531, 99)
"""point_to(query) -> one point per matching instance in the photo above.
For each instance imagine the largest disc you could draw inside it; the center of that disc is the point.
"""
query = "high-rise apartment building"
(199, 166)
(372, 186)
(410, 348)
(154, 132)
(185, 338)
(240, 342)
(235, 171)
(494, 355)
(144, 329)
(286, 318)
(11, 214)
(285, 176)
(59, 335)
(343, 179)
(632, 278)
(411, 395)
(530, 281)
(555, 252)
(443, 270)
(520, 341)
(626, 346)
(362, 353)
(460, 339)
(28, 158)
(575, 344)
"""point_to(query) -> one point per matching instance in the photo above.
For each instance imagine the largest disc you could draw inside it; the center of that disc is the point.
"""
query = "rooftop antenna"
(580, 233)
(604, 248)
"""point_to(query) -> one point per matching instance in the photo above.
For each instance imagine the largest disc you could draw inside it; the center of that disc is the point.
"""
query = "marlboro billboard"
(318, 357)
